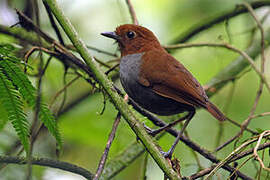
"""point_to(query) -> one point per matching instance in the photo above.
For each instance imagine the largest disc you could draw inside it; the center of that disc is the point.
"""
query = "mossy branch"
(208, 23)
(123, 108)
(49, 163)
(22, 34)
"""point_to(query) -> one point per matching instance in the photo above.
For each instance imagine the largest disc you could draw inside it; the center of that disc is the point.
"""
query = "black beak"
(112, 35)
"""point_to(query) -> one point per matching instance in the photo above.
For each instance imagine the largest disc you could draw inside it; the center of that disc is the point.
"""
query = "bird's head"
(133, 39)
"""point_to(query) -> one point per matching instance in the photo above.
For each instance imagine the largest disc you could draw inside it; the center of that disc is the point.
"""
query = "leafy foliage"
(24, 88)
(3, 117)
(49, 121)
(10, 98)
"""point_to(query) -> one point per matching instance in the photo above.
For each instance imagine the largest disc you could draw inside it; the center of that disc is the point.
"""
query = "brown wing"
(169, 78)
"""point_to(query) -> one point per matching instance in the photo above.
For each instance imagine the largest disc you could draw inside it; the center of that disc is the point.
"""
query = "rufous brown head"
(133, 39)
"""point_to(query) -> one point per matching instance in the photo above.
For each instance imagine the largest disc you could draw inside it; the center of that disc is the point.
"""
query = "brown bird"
(156, 80)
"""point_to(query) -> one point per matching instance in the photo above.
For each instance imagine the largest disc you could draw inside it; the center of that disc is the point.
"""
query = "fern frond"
(3, 117)
(20, 80)
(49, 121)
(10, 98)
(28, 92)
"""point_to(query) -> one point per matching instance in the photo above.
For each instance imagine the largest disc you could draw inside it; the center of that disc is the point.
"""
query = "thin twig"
(132, 12)
(251, 11)
(227, 46)
(238, 167)
(71, 47)
(35, 27)
(32, 50)
(53, 24)
(209, 22)
(101, 51)
(64, 53)
(261, 115)
(265, 133)
(144, 167)
(254, 28)
(259, 92)
(231, 156)
(237, 157)
(197, 159)
(112, 68)
(223, 162)
(107, 148)
(63, 89)
(250, 151)
(39, 95)
(244, 124)
(226, 107)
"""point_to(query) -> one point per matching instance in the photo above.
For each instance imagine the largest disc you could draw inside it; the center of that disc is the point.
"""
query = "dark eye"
(131, 34)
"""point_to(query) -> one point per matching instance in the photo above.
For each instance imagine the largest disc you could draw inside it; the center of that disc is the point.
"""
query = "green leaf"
(49, 121)
(3, 117)
(28, 92)
(20, 80)
(10, 98)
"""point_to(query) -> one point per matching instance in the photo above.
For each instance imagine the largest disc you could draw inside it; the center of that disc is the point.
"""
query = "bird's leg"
(171, 150)
(164, 128)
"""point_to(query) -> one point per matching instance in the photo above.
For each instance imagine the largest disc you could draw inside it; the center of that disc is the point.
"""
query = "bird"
(156, 81)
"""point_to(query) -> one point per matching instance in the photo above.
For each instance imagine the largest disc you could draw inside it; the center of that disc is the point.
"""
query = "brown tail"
(215, 111)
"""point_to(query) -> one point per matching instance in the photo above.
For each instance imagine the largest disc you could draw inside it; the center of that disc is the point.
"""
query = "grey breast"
(129, 73)
(144, 96)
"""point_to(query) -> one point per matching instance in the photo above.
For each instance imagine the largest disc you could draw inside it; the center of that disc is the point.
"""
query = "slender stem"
(231, 156)
(259, 24)
(107, 148)
(132, 12)
(256, 149)
(237, 157)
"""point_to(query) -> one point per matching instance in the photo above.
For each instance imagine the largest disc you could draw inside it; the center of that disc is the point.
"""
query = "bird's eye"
(131, 34)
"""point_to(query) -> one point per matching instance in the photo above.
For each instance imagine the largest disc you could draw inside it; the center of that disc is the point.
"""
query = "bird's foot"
(166, 154)
(150, 131)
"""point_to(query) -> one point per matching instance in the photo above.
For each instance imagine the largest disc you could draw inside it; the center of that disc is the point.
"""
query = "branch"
(259, 24)
(250, 151)
(107, 148)
(232, 155)
(122, 160)
(237, 157)
(133, 151)
(49, 163)
(256, 149)
(53, 24)
(245, 124)
(21, 34)
(118, 102)
(132, 13)
(206, 24)
(236, 66)
(261, 115)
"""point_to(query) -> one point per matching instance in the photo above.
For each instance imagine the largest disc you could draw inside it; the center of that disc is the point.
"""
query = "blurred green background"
(85, 130)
